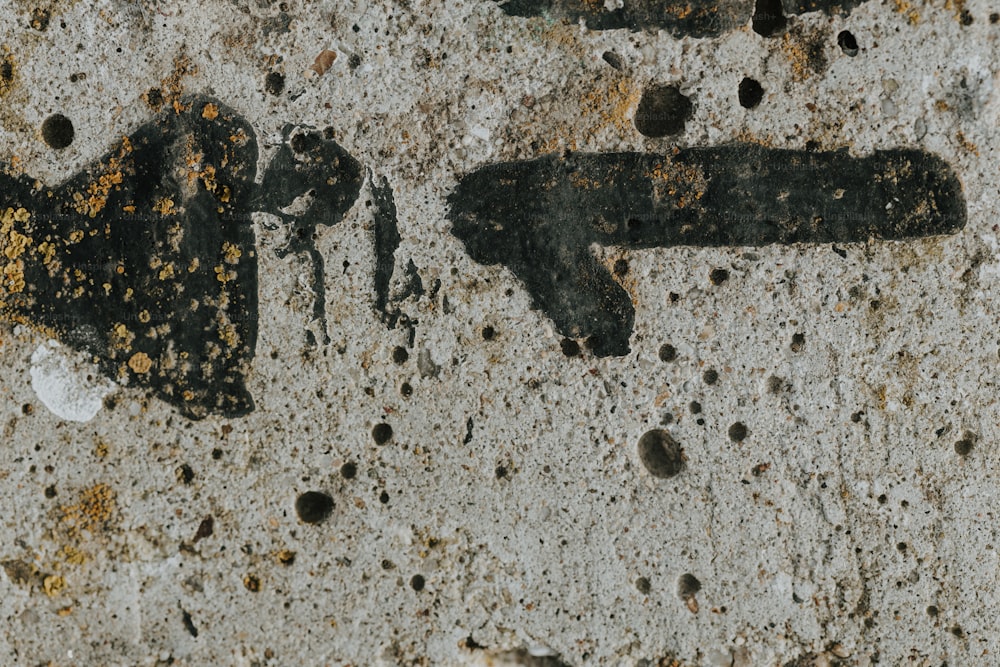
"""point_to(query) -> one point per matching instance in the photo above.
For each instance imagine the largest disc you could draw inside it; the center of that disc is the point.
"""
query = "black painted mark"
(188, 622)
(146, 259)
(386, 243)
(311, 181)
(540, 217)
(694, 18)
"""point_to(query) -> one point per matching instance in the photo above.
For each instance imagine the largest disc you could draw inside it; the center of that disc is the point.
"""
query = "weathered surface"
(468, 486)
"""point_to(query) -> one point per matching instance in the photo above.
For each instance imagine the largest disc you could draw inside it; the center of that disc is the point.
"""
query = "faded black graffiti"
(694, 18)
(539, 217)
(146, 259)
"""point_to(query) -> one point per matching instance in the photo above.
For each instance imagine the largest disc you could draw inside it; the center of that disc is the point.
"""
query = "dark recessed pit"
(274, 83)
(768, 18)
(687, 586)
(662, 111)
(964, 446)
(750, 93)
(738, 432)
(668, 352)
(313, 506)
(57, 131)
(662, 456)
(381, 433)
(847, 43)
(570, 347)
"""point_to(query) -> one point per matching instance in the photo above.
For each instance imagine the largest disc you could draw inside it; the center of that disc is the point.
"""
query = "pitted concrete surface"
(832, 498)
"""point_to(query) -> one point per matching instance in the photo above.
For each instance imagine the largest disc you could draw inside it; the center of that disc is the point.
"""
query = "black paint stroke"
(540, 217)
(146, 259)
(694, 18)
(318, 182)
(386, 242)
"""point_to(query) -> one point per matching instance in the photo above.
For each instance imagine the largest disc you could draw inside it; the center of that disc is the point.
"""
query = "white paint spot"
(59, 377)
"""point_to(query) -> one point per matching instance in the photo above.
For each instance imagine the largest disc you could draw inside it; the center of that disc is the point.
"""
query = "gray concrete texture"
(834, 404)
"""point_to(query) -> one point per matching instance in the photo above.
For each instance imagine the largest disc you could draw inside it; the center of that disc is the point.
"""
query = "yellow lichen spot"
(188, 395)
(224, 276)
(53, 584)
(230, 253)
(193, 266)
(140, 362)
(101, 449)
(119, 269)
(13, 276)
(210, 111)
(65, 611)
(128, 294)
(167, 271)
(95, 508)
(13, 243)
(47, 250)
(228, 335)
(121, 337)
(107, 288)
(144, 316)
(129, 208)
(164, 206)
(908, 10)
(73, 556)
(75, 236)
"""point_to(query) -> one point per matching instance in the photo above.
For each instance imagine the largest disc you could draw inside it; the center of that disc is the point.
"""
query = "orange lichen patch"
(96, 507)
(224, 276)
(72, 556)
(171, 87)
(612, 105)
(91, 202)
(228, 335)
(965, 143)
(121, 337)
(164, 206)
(140, 362)
(210, 111)
(681, 185)
(53, 584)
(909, 11)
(797, 57)
(239, 138)
(564, 34)
(230, 253)
(15, 168)
(14, 241)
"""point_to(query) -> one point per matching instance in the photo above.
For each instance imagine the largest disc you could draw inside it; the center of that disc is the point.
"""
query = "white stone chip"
(59, 377)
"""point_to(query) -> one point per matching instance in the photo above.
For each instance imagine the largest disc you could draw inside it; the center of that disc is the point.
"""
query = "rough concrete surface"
(789, 456)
